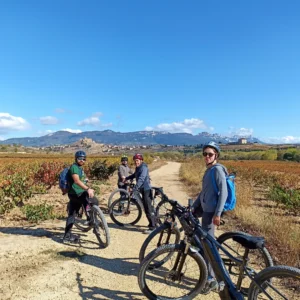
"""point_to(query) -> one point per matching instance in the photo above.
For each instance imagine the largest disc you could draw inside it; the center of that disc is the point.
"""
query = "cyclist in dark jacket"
(143, 185)
(78, 194)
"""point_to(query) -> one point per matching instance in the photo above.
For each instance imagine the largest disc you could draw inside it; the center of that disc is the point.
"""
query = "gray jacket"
(209, 199)
(123, 171)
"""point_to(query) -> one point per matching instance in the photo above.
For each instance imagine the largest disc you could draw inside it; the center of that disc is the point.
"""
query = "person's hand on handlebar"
(91, 193)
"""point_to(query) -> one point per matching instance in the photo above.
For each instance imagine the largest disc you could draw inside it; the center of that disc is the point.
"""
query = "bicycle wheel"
(161, 210)
(116, 195)
(169, 281)
(100, 227)
(162, 235)
(279, 282)
(125, 212)
(259, 259)
(81, 220)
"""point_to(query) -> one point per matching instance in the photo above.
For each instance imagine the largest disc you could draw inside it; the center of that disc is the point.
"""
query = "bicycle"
(169, 233)
(94, 219)
(182, 267)
(121, 193)
(127, 209)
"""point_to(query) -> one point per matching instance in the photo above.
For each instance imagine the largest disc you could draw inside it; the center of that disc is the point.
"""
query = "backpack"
(231, 198)
(63, 180)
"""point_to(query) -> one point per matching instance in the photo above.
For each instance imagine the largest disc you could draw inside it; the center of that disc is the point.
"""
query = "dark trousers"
(124, 187)
(149, 209)
(75, 202)
(208, 226)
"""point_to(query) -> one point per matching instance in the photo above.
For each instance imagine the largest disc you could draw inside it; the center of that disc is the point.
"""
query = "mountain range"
(126, 138)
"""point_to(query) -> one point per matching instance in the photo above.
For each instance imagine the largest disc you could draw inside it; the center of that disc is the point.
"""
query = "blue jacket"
(141, 176)
(208, 198)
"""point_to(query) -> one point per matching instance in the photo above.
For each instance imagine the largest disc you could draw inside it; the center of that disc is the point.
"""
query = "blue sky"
(227, 67)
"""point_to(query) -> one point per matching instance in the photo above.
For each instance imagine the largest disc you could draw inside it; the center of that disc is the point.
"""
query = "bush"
(100, 170)
(290, 198)
(41, 212)
(17, 187)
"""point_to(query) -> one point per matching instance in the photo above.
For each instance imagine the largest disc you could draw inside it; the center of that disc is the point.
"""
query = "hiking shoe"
(87, 223)
(148, 231)
(70, 238)
(211, 285)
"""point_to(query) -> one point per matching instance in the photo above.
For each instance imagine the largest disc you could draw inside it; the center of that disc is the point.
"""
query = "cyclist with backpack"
(123, 171)
(210, 204)
(79, 193)
(143, 186)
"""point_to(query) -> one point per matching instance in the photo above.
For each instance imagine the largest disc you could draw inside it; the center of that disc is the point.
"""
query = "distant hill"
(124, 138)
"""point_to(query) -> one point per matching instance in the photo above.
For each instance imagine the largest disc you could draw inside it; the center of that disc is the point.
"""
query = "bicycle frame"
(227, 289)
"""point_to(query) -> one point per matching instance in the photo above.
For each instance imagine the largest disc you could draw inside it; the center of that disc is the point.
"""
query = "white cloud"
(11, 123)
(48, 120)
(107, 125)
(94, 121)
(187, 126)
(242, 132)
(282, 140)
(72, 130)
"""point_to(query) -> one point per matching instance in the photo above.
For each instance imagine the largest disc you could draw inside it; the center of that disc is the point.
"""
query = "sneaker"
(87, 223)
(211, 285)
(70, 238)
(148, 231)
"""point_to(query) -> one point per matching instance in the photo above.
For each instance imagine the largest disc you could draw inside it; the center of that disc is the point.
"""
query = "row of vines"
(281, 180)
(21, 178)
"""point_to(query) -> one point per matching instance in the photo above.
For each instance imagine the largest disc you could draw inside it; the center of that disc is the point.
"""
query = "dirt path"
(35, 265)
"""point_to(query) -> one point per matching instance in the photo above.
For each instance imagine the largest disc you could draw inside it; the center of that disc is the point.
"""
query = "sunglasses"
(209, 154)
(81, 158)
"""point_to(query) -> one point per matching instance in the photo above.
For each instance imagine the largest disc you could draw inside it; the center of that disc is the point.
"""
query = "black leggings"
(124, 187)
(149, 209)
(74, 205)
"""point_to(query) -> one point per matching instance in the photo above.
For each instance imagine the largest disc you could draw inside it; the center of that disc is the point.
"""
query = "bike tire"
(259, 259)
(194, 262)
(284, 279)
(116, 191)
(160, 212)
(124, 213)
(161, 209)
(101, 229)
(160, 236)
(80, 222)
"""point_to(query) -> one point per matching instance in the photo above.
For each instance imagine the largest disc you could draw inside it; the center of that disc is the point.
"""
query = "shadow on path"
(93, 293)
(54, 233)
(122, 266)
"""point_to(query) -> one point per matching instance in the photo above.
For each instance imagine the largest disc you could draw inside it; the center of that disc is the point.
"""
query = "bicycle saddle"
(251, 242)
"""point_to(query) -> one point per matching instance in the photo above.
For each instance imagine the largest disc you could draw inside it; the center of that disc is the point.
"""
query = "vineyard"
(268, 201)
(21, 178)
(279, 179)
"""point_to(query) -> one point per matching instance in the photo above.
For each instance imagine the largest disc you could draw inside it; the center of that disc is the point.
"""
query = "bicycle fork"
(179, 262)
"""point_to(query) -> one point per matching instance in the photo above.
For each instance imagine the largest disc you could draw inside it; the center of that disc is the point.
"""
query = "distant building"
(242, 141)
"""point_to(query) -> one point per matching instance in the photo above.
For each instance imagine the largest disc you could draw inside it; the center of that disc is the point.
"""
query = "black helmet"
(80, 153)
(213, 145)
(124, 158)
